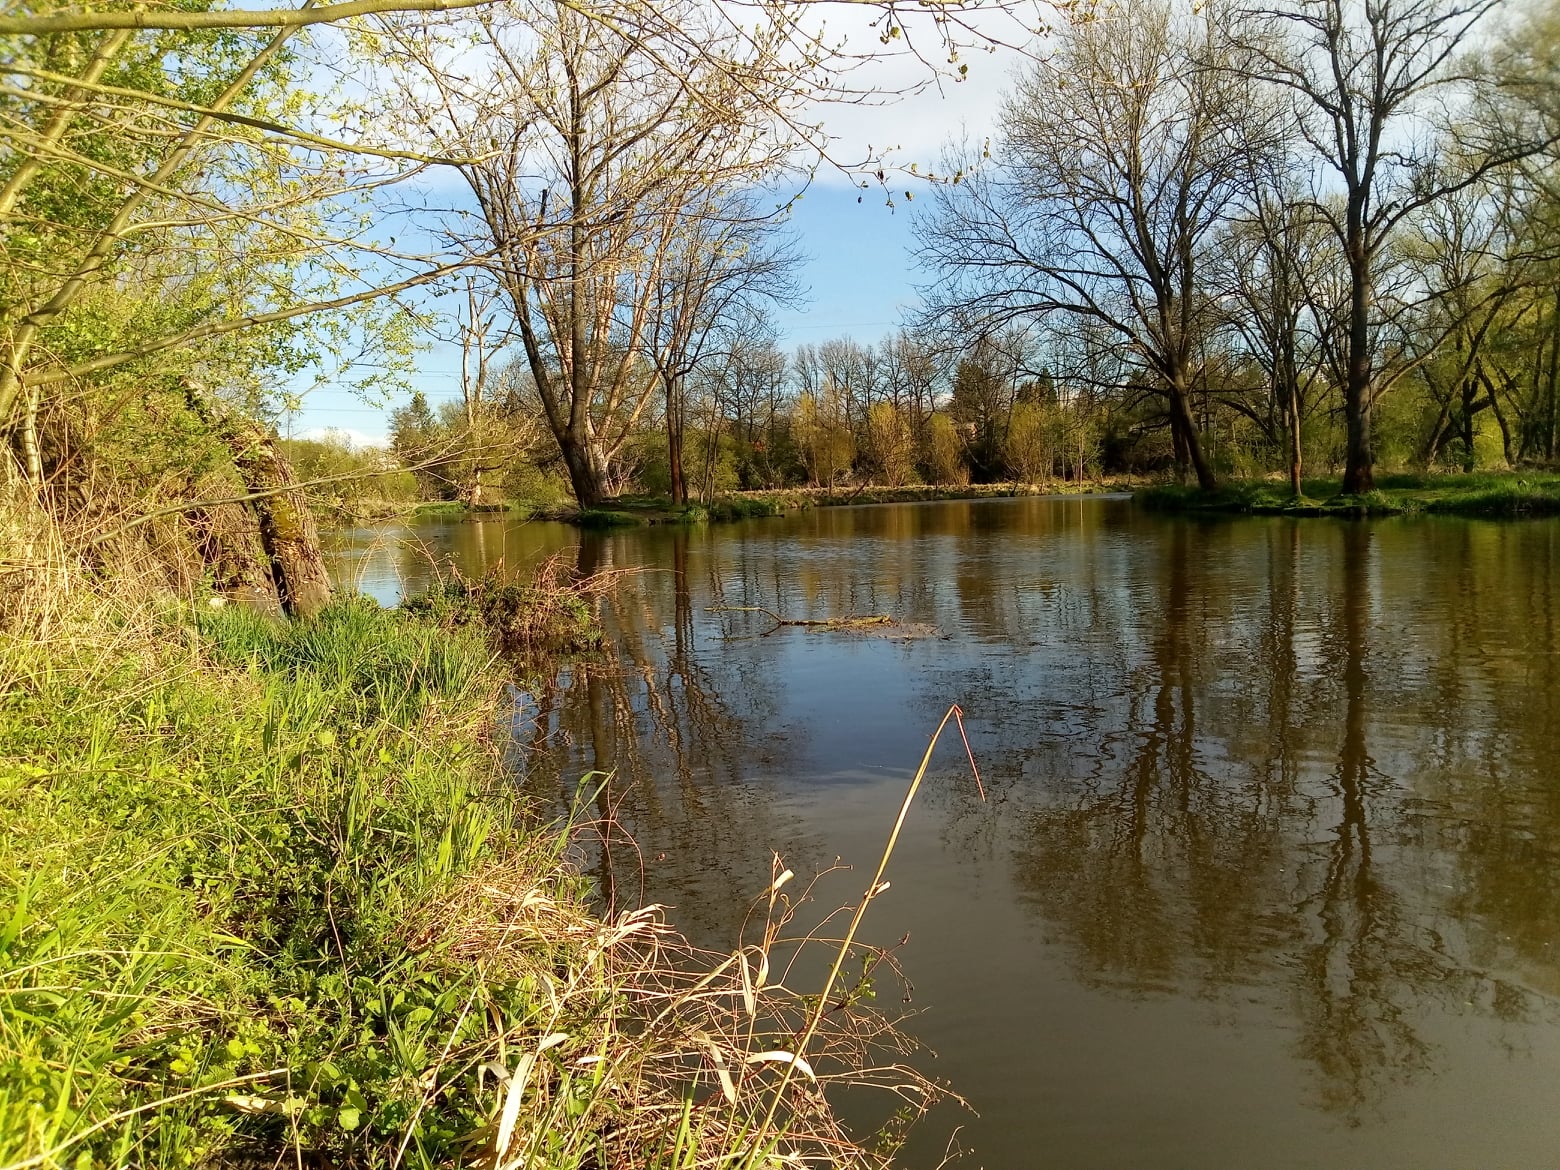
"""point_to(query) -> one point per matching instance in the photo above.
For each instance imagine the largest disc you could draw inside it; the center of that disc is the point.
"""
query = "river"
(1268, 873)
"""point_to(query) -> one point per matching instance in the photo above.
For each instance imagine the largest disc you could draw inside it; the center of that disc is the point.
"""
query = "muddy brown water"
(1269, 873)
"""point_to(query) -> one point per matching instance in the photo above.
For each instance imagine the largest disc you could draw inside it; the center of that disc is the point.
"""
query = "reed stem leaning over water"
(874, 888)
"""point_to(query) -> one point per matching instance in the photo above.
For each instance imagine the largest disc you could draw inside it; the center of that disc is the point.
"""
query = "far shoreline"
(1504, 494)
(1498, 495)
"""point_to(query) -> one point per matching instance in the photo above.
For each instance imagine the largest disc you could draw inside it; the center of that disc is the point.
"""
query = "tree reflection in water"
(1191, 861)
(1291, 775)
(685, 794)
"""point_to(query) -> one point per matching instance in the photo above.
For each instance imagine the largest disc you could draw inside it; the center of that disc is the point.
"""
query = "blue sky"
(858, 271)
(858, 268)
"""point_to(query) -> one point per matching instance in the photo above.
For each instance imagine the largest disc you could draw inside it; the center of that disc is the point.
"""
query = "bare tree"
(1118, 158)
(593, 143)
(750, 380)
(915, 373)
(1364, 77)
(721, 264)
(1270, 259)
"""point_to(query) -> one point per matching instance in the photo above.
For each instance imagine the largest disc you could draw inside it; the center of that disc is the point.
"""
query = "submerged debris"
(878, 623)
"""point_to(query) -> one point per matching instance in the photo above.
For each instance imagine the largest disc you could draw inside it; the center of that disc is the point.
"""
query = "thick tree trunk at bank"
(1187, 441)
(675, 423)
(1359, 468)
(587, 468)
(1296, 454)
(1360, 460)
(287, 529)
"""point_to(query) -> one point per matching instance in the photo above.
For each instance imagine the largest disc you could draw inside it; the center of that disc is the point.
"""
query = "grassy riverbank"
(1527, 493)
(628, 511)
(265, 899)
(794, 499)
(639, 510)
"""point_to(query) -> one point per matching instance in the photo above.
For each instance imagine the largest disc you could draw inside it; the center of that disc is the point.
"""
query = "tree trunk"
(1359, 465)
(587, 469)
(675, 411)
(1500, 416)
(1553, 412)
(287, 530)
(1296, 454)
(711, 457)
(1469, 410)
(32, 455)
(1182, 424)
(1178, 445)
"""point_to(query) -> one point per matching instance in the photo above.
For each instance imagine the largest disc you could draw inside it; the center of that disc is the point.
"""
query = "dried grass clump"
(112, 557)
(63, 610)
(554, 609)
(644, 1051)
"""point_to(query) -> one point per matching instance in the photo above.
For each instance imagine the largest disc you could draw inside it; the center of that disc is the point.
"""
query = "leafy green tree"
(887, 453)
(426, 446)
(944, 454)
(1029, 448)
(1364, 80)
(823, 435)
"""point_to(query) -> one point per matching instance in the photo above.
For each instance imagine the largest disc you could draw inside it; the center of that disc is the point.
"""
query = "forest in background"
(1211, 240)
(266, 893)
(1216, 243)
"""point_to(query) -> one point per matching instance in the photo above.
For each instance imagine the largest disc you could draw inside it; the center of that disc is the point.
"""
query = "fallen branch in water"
(850, 622)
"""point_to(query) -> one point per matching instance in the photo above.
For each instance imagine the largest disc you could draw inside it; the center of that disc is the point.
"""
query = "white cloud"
(358, 439)
(915, 127)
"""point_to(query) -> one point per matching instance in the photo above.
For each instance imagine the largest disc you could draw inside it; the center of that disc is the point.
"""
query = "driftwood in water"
(839, 623)
(287, 530)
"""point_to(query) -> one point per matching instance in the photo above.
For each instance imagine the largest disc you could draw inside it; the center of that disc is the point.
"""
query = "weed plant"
(265, 900)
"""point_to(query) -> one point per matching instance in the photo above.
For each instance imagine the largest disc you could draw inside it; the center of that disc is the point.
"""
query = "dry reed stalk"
(877, 886)
(60, 609)
(643, 1047)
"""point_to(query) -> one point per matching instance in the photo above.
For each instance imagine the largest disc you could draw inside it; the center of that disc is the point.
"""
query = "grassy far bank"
(1523, 493)
(636, 510)
(265, 898)
(633, 510)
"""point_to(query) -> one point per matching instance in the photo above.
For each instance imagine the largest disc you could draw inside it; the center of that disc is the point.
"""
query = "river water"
(1269, 869)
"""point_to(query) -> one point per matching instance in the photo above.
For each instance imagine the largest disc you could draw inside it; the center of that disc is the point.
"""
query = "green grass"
(783, 500)
(728, 508)
(1482, 494)
(626, 511)
(211, 862)
(630, 511)
(610, 518)
(460, 508)
(266, 897)
(440, 508)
